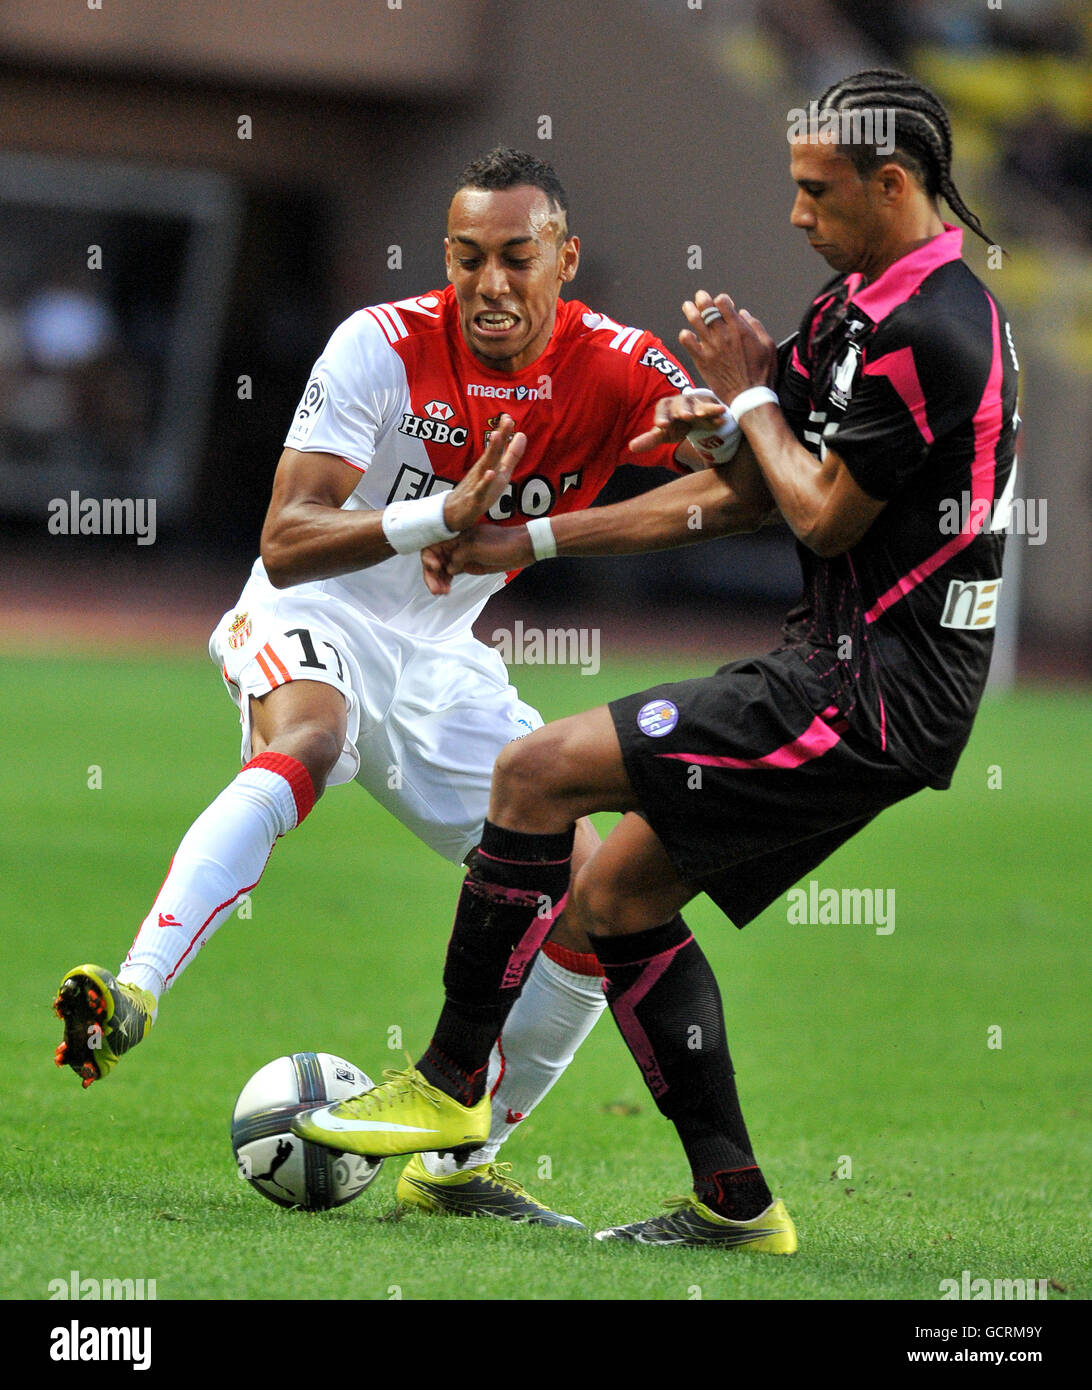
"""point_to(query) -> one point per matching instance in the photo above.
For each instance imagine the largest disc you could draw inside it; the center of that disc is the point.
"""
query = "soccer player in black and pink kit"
(897, 393)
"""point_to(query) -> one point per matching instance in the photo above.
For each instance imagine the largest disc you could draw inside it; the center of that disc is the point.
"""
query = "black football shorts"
(751, 777)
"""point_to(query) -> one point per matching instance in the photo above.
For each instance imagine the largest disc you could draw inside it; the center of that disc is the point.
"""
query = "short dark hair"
(504, 167)
(923, 133)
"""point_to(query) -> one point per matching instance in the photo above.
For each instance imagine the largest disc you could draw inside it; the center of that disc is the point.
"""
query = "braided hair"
(923, 133)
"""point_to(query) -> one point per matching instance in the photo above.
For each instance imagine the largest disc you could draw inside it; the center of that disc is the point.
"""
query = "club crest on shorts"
(239, 631)
(657, 718)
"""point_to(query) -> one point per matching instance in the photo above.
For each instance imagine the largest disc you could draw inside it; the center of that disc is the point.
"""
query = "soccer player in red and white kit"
(345, 667)
(897, 394)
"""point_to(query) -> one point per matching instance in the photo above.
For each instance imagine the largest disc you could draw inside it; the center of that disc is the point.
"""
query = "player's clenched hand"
(675, 417)
(436, 565)
(488, 478)
(733, 352)
(479, 550)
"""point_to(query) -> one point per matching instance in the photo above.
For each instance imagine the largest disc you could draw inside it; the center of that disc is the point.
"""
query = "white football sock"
(144, 977)
(221, 857)
(554, 1014)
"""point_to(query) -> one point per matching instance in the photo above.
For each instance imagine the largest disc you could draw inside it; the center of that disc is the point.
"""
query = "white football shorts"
(426, 719)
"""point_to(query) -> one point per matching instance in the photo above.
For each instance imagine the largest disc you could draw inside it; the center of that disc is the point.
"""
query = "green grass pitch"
(920, 1098)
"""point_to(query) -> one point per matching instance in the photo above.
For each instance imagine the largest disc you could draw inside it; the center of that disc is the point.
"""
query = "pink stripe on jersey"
(988, 424)
(818, 738)
(898, 367)
(902, 278)
(797, 364)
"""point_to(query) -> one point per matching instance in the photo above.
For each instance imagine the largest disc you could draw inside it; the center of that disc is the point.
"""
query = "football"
(285, 1169)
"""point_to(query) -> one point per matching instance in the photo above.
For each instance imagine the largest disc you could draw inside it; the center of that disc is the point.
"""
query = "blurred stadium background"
(253, 172)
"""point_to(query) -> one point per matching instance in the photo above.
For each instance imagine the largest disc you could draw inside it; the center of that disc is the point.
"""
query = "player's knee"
(609, 902)
(525, 772)
(315, 746)
(603, 907)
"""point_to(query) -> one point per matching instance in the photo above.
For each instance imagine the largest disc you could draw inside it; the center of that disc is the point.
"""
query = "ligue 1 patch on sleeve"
(308, 411)
(657, 718)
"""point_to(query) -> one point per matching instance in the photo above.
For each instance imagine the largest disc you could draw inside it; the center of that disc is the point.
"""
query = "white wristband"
(752, 397)
(411, 526)
(541, 535)
(717, 441)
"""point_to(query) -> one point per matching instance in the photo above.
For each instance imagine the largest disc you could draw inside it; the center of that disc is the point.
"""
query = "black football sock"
(511, 895)
(664, 998)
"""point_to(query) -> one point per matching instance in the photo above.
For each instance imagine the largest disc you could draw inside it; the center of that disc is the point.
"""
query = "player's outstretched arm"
(698, 507)
(826, 509)
(308, 536)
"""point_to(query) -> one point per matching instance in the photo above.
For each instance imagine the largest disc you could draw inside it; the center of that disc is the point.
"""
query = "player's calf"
(304, 720)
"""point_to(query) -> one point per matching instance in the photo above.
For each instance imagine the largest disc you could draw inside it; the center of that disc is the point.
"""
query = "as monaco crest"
(239, 631)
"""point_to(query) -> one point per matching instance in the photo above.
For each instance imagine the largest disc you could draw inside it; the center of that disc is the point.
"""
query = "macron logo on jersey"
(505, 393)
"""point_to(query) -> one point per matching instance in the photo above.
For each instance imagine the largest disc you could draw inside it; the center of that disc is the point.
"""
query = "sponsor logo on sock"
(513, 1117)
(168, 919)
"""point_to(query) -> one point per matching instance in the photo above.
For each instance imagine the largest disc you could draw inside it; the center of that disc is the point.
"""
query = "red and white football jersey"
(398, 395)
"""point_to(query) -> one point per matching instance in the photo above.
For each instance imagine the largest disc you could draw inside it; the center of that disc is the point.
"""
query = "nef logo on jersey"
(664, 365)
(972, 605)
(417, 427)
(439, 410)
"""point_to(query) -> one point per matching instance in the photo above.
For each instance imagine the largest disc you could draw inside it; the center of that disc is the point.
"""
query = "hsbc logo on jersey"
(417, 427)
(439, 410)
(664, 365)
